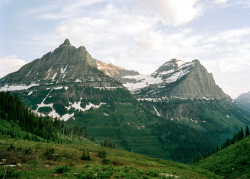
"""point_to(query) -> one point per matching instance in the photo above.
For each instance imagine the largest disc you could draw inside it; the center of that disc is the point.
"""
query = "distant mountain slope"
(231, 162)
(115, 72)
(186, 93)
(67, 84)
(244, 99)
(66, 78)
(179, 79)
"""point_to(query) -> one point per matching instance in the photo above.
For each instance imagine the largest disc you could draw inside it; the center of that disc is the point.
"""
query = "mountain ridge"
(186, 93)
(67, 84)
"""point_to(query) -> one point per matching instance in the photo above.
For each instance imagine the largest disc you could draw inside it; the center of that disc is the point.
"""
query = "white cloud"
(10, 64)
(138, 36)
(174, 12)
(220, 1)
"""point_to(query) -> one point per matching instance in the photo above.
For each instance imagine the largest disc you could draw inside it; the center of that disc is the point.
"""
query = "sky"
(138, 35)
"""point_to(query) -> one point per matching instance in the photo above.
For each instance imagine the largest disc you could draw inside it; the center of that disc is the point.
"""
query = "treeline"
(237, 137)
(108, 144)
(229, 141)
(37, 127)
(188, 142)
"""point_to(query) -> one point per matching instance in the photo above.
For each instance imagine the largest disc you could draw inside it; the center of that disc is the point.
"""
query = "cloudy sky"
(135, 34)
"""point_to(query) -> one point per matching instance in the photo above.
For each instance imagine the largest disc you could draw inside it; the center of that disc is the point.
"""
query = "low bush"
(49, 153)
(62, 169)
(105, 161)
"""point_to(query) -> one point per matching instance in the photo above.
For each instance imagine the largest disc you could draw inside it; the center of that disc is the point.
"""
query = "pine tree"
(247, 131)
(88, 156)
(241, 134)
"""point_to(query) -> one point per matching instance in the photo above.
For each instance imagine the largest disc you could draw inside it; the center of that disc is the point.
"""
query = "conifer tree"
(247, 131)
(241, 134)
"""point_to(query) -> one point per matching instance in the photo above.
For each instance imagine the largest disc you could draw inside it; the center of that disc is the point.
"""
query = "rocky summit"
(186, 93)
(176, 79)
(59, 81)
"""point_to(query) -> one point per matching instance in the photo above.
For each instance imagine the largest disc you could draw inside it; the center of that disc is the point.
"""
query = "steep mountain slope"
(176, 78)
(185, 92)
(67, 84)
(244, 99)
(231, 162)
(116, 72)
(62, 80)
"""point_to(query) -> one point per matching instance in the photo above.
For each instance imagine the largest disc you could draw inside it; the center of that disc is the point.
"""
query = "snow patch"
(158, 114)
(54, 114)
(53, 77)
(142, 82)
(63, 70)
(78, 81)
(29, 72)
(166, 72)
(77, 106)
(66, 117)
(58, 88)
(17, 87)
(106, 114)
(107, 88)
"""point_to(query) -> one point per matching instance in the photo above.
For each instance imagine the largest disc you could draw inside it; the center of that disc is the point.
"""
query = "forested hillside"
(18, 121)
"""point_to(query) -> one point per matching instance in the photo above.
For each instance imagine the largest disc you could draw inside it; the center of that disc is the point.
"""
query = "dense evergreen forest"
(229, 141)
(18, 121)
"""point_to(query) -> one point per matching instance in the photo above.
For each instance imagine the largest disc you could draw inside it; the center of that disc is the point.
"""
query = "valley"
(176, 113)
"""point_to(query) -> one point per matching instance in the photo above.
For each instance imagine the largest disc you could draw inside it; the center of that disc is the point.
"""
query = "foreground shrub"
(49, 153)
(62, 169)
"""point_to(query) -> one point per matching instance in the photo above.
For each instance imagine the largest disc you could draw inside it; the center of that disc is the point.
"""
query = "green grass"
(132, 128)
(231, 162)
(219, 119)
(66, 162)
(12, 129)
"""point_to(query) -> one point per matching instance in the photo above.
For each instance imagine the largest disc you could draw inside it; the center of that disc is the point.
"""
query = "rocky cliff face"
(116, 72)
(66, 64)
(179, 79)
(186, 93)
(61, 82)
(244, 99)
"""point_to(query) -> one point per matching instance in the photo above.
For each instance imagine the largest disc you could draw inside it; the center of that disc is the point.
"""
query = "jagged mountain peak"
(178, 79)
(170, 67)
(65, 43)
(64, 64)
(64, 79)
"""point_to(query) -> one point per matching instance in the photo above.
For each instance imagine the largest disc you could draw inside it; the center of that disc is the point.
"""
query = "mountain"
(116, 72)
(244, 99)
(231, 162)
(60, 80)
(186, 93)
(67, 84)
(177, 79)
